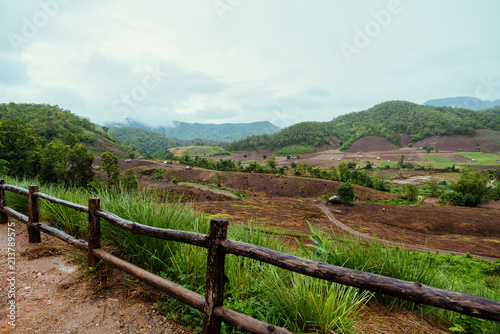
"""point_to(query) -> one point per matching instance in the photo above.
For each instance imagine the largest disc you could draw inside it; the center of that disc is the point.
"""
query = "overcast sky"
(206, 61)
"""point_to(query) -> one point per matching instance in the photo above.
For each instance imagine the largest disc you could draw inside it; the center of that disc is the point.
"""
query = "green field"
(482, 159)
(439, 161)
(200, 151)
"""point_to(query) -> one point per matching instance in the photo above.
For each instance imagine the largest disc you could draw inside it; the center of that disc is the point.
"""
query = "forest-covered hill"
(226, 132)
(143, 140)
(385, 120)
(52, 122)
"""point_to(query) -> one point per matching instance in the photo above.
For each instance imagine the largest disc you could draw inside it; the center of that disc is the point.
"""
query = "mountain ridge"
(467, 102)
(224, 132)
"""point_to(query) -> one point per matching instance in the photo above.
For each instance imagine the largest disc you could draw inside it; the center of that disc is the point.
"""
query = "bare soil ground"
(449, 143)
(54, 295)
(488, 140)
(289, 203)
(371, 144)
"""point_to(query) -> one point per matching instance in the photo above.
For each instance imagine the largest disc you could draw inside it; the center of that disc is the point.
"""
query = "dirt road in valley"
(367, 237)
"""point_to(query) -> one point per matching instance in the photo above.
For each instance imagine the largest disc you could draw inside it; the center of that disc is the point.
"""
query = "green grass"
(272, 295)
(295, 150)
(442, 162)
(450, 272)
(482, 159)
(201, 151)
(391, 164)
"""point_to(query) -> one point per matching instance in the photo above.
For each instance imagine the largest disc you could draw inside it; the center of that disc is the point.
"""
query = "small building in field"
(334, 200)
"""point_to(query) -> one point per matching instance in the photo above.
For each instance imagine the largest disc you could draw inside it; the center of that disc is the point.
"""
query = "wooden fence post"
(4, 218)
(214, 289)
(33, 215)
(94, 231)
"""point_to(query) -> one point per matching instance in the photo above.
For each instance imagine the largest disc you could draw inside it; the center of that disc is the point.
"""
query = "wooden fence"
(218, 247)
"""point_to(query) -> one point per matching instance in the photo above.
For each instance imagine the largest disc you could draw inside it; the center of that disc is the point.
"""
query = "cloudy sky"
(222, 61)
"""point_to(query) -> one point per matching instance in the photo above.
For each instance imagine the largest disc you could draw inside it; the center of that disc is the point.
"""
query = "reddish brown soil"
(54, 295)
(405, 139)
(267, 185)
(449, 143)
(291, 202)
(371, 144)
(489, 141)
(472, 230)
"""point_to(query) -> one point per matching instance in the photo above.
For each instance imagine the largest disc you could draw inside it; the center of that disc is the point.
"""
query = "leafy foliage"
(49, 121)
(386, 120)
(144, 140)
(109, 164)
(346, 192)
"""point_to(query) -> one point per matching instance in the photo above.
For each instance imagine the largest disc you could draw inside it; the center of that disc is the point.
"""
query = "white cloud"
(279, 61)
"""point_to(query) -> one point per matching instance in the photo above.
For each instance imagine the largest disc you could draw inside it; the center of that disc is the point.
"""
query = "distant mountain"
(388, 120)
(144, 140)
(467, 102)
(226, 132)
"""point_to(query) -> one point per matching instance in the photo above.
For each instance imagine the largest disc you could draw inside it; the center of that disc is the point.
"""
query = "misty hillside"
(466, 102)
(143, 140)
(226, 132)
(385, 120)
(52, 122)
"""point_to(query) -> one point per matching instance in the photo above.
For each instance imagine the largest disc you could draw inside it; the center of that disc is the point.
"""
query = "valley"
(290, 203)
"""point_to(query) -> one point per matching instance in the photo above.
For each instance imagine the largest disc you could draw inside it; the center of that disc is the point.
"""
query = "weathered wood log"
(14, 214)
(192, 238)
(94, 231)
(214, 287)
(4, 218)
(68, 204)
(174, 290)
(78, 243)
(33, 215)
(246, 323)
(419, 293)
(17, 190)
(186, 296)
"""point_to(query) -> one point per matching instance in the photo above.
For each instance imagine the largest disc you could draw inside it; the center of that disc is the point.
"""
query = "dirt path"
(207, 188)
(54, 295)
(367, 237)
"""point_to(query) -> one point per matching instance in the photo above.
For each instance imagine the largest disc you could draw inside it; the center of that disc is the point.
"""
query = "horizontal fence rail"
(218, 246)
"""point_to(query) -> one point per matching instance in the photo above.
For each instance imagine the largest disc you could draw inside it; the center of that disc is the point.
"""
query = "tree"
(433, 187)
(344, 173)
(129, 181)
(271, 162)
(53, 162)
(105, 129)
(411, 191)
(109, 164)
(472, 185)
(346, 192)
(70, 139)
(80, 172)
(18, 148)
(401, 162)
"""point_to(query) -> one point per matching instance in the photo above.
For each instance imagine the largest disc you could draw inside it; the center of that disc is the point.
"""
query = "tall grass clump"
(303, 303)
(449, 272)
